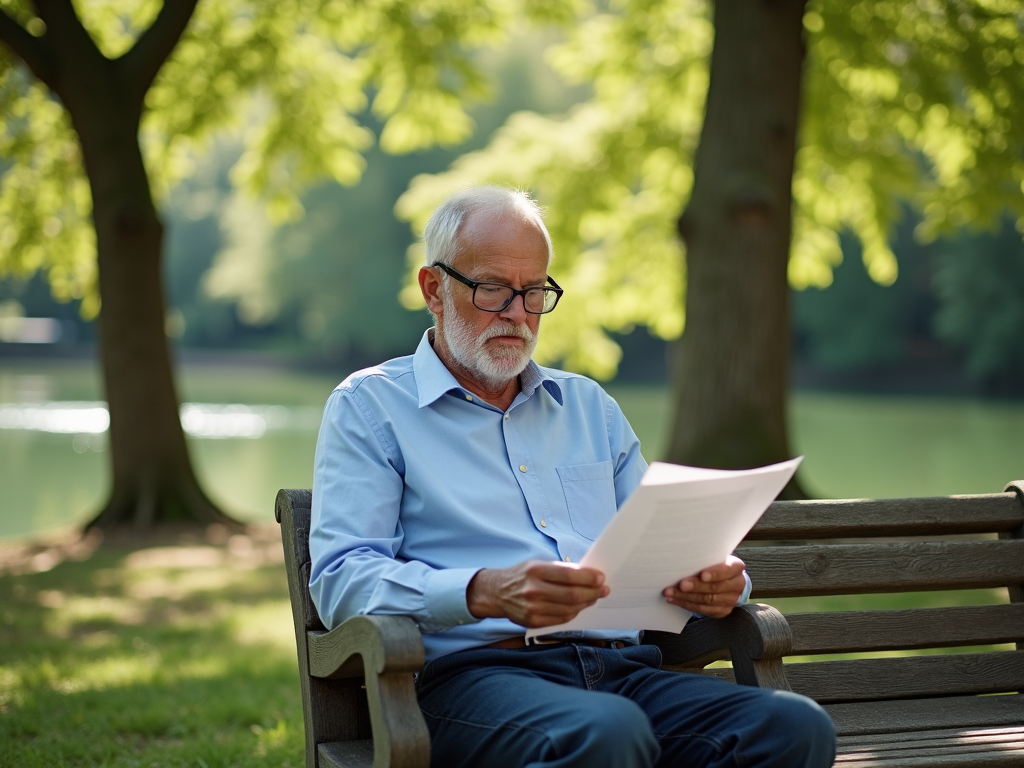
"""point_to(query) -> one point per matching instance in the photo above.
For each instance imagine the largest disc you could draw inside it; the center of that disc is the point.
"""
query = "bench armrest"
(387, 650)
(754, 636)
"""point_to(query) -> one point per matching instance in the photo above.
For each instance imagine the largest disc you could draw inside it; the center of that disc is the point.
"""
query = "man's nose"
(516, 310)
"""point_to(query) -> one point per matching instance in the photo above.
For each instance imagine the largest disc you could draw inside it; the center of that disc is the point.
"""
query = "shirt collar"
(433, 379)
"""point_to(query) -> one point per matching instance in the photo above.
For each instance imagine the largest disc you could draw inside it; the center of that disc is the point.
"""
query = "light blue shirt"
(418, 484)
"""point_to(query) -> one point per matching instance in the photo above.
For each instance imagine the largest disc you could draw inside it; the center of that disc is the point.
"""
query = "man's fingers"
(723, 571)
(553, 609)
(558, 594)
(566, 573)
(691, 586)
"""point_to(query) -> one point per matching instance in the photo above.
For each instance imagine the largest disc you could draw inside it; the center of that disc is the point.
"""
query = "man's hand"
(535, 593)
(712, 592)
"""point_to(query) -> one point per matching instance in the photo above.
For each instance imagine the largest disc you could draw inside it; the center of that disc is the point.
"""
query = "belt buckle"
(542, 640)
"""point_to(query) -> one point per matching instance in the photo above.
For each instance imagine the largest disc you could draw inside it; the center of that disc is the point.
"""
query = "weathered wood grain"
(844, 519)
(933, 749)
(357, 680)
(838, 569)
(1016, 591)
(907, 716)
(859, 631)
(955, 759)
(908, 677)
(346, 754)
(941, 735)
(382, 643)
(755, 637)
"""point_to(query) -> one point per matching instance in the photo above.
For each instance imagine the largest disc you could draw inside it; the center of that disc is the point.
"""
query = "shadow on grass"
(163, 656)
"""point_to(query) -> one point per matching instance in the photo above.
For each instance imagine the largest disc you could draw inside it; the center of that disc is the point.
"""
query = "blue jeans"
(577, 705)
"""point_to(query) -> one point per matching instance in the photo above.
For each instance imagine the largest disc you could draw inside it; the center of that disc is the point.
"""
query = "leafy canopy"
(301, 73)
(917, 103)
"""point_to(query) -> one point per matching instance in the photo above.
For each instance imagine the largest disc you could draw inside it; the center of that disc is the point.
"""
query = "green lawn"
(169, 656)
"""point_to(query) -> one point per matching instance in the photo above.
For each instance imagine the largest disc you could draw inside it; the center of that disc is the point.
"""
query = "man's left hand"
(712, 592)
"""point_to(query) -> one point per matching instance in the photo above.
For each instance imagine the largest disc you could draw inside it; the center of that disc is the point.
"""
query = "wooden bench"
(895, 710)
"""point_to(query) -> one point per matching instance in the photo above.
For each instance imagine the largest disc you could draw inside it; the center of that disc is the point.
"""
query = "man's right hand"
(535, 594)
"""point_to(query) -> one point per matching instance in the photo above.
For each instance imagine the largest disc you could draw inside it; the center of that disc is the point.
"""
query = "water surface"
(253, 431)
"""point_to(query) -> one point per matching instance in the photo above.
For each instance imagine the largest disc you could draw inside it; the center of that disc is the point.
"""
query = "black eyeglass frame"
(474, 284)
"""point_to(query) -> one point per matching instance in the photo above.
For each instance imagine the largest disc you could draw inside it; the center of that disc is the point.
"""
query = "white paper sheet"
(679, 521)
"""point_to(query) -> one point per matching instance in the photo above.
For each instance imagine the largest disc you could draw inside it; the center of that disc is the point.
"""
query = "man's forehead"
(502, 243)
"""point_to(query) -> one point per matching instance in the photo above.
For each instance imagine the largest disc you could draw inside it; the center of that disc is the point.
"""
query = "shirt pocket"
(589, 496)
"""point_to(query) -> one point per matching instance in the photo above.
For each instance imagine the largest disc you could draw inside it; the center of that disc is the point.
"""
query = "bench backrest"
(823, 549)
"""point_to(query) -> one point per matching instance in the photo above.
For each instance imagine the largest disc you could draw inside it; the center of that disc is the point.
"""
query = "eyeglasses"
(495, 297)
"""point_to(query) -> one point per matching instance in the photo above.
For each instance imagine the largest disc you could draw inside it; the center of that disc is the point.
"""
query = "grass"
(167, 656)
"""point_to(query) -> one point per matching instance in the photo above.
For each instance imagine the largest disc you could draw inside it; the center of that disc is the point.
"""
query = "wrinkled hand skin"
(535, 593)
(723, 582)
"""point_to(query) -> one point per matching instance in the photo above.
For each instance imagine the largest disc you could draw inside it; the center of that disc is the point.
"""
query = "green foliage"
(324, 286)
(980, 279)
(853, 324)
(44, 198)
(295, 75)
(613, 173)
(907, 101)
(916, 103)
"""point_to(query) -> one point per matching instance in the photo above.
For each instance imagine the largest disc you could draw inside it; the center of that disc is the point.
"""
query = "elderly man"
(459, 486)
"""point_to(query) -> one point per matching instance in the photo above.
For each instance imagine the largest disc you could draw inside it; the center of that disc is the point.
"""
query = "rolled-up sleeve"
(356, 529)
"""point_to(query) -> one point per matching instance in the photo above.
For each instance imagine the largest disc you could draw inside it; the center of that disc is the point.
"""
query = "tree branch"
(141, 64)
(65, 29)
(33, 51)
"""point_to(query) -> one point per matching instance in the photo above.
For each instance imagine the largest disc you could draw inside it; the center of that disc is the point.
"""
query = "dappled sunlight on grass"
(269, 623)
(164, 656)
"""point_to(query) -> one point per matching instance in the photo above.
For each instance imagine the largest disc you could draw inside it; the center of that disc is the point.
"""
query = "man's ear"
(430, 287)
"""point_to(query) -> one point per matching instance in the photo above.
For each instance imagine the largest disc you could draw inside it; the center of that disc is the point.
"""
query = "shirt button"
(469, 397)
(522, 467)
(566, 558)
(543, 524)
(506, 417)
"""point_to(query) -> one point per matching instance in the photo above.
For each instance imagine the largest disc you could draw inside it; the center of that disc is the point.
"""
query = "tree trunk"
(153, 479)
(732, 363)
(152, 475)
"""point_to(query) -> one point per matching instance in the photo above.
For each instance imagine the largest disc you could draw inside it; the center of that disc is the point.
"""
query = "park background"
(143, 653)
(909, 389)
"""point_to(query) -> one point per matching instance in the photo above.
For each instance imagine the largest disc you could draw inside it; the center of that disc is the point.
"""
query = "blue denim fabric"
(588, 707)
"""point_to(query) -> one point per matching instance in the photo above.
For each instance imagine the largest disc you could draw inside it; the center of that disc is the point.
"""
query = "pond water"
(253, 431)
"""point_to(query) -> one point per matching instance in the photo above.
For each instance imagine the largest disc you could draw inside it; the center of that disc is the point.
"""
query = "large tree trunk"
(152, 476)
(732, 362)
(153, 479)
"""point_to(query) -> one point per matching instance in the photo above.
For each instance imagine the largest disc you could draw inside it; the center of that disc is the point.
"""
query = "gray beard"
(494, 365)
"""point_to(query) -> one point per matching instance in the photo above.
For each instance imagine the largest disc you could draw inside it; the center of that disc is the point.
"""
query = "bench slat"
(959, 758)
(799, 520)
(907, 677)
(895, 749)
(897, 717)
(838, 569)
(941, 735)
(857, 631)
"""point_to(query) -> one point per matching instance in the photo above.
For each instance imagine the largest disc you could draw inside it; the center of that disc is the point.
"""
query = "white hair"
(441, 236)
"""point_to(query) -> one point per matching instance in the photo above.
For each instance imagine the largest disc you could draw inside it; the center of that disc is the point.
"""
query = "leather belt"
(513, 643)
